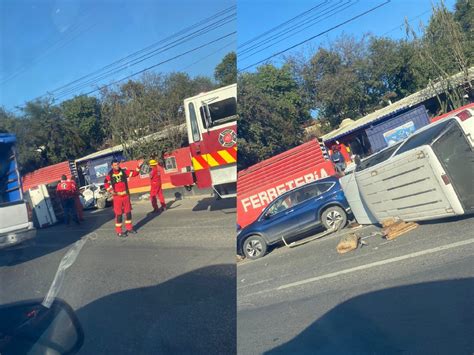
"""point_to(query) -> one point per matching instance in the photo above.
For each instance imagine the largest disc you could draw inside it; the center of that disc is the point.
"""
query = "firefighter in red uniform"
(156, 190)
(116, 182)
(66, 190)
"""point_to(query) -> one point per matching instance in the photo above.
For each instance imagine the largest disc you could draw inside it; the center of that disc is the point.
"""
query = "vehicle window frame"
(195, 131)
(175, 165)
(220, 120)
(330, 183)
(274, 202)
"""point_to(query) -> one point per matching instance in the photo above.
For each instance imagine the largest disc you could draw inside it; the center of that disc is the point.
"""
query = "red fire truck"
(211, 122)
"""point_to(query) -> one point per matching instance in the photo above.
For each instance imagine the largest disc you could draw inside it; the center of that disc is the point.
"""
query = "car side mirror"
(30, 327)
(267, 215)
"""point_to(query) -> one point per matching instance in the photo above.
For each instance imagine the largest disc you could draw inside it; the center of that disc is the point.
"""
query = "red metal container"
(47, 175)
(260, 184)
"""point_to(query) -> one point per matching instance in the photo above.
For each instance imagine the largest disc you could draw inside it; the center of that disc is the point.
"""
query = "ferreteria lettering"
(263, 198)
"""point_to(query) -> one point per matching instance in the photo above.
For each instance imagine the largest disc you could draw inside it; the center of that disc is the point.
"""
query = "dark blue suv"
(320, 203)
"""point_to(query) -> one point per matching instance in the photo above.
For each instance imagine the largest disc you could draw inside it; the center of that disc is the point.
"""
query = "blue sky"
(45, 44)
(256, 17)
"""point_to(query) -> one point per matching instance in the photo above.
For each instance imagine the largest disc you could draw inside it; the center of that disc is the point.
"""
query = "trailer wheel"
(101, 203)
(254, 247)
(333, 216)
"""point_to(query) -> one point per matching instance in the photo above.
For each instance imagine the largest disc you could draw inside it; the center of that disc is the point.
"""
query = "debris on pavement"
(348, 243)
(354, 225)
(144, 197)
(395, 228)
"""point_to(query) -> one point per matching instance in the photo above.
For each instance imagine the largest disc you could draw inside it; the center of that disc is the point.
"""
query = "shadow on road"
(152, 215)
(192, 313)
(428, 318)
(211, 204)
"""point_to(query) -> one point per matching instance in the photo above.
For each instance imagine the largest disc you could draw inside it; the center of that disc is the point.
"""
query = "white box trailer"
(429, 176)
(40, 201)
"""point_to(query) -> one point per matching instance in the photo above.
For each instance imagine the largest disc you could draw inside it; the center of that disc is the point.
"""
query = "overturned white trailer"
(428, 176)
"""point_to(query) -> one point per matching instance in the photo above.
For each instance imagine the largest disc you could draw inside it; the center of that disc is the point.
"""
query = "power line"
(209, 55)
(414, 18)
(319, 34)
(163, 62)
(281, 25)
(138, 60)
(311, 22)
(165, 40)
(134, 54)
(299, 23)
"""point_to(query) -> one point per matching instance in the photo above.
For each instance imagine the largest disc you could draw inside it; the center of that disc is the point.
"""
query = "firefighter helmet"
(153, 162)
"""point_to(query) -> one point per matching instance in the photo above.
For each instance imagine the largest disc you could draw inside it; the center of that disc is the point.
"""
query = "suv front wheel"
(254, 247)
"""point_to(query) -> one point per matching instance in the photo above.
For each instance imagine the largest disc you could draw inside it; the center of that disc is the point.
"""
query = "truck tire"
(254, 247)
(333, 215)
(101, 203)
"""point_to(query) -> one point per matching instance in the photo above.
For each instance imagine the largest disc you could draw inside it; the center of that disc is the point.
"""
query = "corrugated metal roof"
(396, 107)
(119, 148)
(46, 175)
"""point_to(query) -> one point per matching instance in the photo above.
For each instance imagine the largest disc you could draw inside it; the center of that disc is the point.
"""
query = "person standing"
(116, 182)
(66, 191)
(338, 159)
(77, 201)
(156, 187)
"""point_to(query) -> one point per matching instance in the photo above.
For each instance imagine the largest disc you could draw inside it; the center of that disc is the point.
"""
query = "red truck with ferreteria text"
(261, 183)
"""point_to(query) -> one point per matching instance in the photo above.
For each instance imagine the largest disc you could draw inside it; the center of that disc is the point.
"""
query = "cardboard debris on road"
(348, 243)
(395, 228)
(389, 221)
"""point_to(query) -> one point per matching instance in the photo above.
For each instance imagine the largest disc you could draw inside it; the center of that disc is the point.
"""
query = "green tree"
(441, 52)
(464, 16)
(272, 112)
(392, 74)
(152, 104)
(337, 81)
(226, 71)
(48, 129)
(83, 112)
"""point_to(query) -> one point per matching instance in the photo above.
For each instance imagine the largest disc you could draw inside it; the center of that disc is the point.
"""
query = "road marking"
(66, 262)
(253, 284)
(378, 263)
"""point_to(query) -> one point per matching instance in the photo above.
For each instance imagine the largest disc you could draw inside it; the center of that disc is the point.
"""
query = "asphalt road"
(410, 295)
(168, 289)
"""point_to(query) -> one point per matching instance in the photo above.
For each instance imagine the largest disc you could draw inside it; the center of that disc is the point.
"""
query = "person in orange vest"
(66, 191)
(345, 151)
(156, 188)
(116, 182)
